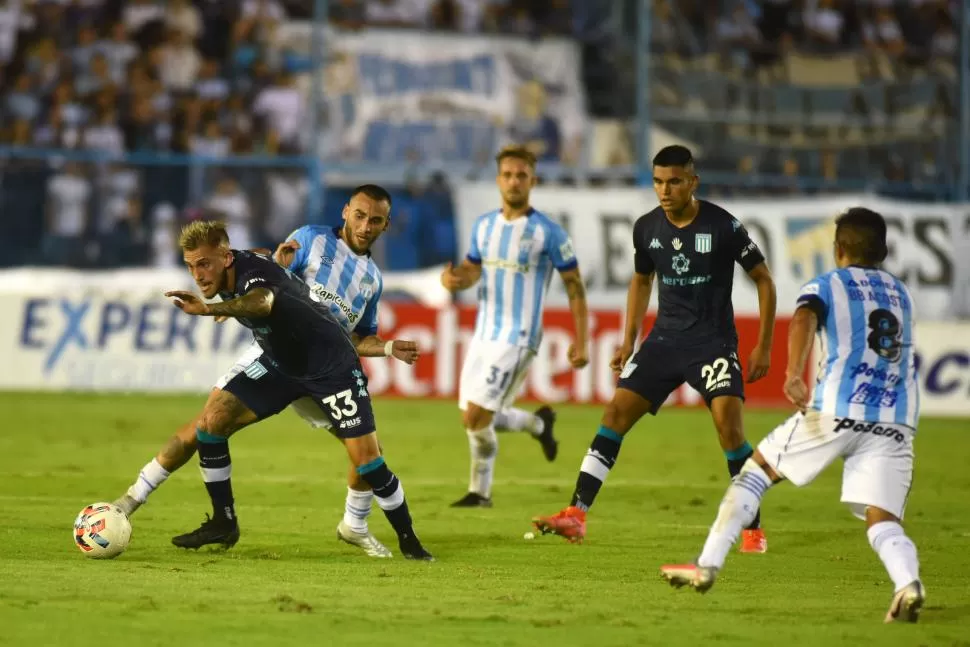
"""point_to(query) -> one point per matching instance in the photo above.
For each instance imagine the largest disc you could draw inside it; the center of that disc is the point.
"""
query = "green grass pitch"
(289, 582)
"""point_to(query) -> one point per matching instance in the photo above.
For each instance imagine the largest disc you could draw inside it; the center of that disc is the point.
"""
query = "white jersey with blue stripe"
(517, 258)
(348, 282)
(867, 369)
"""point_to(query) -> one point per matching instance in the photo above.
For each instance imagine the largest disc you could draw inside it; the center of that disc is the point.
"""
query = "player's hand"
(796, 391)
(406, 351)
(621, 357)
(286, 252)
(451, 279)
(578, 355)
(758, 364)
(188, 302)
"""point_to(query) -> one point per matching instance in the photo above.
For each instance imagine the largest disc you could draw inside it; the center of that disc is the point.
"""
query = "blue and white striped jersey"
(867, 369)
(517, 259)
(349, 283)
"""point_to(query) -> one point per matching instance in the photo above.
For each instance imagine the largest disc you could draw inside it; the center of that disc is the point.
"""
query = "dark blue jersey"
(695, 270)
(300, 336)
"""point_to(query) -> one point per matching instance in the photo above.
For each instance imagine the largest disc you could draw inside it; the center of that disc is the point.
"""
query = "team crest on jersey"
(681, 263)
(676, 243)
(702, 243)
(366, 287)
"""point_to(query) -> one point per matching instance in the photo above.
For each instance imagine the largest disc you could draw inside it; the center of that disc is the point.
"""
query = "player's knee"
(475, 417)
(617, 418)
(876, 515)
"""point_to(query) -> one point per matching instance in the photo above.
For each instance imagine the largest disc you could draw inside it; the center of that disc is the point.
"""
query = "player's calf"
(364, 452)
(176, 453)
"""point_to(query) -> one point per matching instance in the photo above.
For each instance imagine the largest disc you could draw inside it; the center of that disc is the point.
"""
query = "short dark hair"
(675, 155)
(374, 192)
(861, 233)
(518, 152)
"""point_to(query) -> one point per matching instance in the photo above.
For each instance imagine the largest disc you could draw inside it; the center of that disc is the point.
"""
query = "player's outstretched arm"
(462, 277)
(256, 303)
(576, 291)
(767, 304)
(801, 337)
(637, 299)
(374, 346)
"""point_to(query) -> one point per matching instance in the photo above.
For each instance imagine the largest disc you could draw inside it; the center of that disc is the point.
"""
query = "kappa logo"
(680, 263)
(655, 244)
(676, 243)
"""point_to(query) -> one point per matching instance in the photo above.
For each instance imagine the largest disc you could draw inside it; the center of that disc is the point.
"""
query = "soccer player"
(350, 282)
(307, 352)
(864, 410)
(691, 246)
(513, 250)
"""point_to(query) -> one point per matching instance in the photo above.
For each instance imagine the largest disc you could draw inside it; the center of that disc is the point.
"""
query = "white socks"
(513, 419)
(737, 511)
(150, 477)
(483, 445)
(357, 509)
(896, 550)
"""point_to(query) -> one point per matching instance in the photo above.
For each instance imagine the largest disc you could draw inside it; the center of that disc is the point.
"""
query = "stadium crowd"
(213, 78)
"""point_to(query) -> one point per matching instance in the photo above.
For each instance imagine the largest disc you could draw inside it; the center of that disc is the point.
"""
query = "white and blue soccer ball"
(102, 531)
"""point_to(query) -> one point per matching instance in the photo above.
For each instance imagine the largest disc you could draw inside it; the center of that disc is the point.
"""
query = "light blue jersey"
(867, 370)
(349, 283)
(517, 259)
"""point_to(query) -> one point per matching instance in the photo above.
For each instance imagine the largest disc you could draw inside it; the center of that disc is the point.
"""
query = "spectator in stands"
(282, 106)
(181, 16)
(824, 26)
(66, 216)
(348, 14)
(397, 13)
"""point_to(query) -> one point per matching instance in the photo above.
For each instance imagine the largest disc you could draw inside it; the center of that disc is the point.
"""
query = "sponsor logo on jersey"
(680, 263)
(329, 296)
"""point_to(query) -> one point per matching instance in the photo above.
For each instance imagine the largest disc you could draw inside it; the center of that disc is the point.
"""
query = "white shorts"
(878, 469)
(307, 408)
(492, 374)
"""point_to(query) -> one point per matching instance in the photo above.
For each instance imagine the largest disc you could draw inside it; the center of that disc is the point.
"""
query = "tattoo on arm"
(255, 303)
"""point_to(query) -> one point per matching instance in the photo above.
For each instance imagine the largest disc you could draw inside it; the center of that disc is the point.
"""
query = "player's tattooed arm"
(374, 346)
(256, 303)
(576, 291)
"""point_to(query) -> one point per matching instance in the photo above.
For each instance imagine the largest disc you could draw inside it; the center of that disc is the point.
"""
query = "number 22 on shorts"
(715, 373)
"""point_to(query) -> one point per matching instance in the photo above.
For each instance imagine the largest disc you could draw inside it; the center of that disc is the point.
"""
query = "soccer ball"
(102, 531)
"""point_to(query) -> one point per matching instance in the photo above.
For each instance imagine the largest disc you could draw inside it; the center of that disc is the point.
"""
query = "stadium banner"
(135, 340)
(943, 354)
(929, 243)
(121, 339)
(393, 96)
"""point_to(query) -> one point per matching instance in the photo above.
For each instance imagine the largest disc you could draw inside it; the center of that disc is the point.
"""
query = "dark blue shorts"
(342, 395)
(661, 365)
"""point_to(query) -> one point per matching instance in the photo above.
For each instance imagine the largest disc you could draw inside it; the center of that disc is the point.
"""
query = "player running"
(513, 250)
(306, 353)
(864, 410)
(691, 246)
(351, 284)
